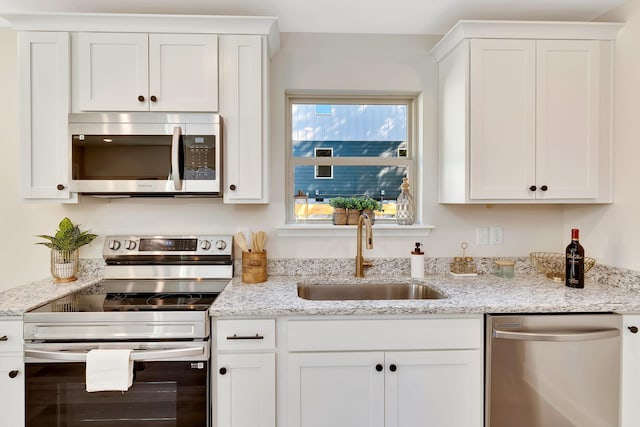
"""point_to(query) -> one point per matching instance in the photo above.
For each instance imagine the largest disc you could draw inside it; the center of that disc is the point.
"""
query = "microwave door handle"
(135, 355)
(175, 158)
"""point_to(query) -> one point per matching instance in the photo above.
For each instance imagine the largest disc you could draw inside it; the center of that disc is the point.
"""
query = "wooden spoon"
(241, 241)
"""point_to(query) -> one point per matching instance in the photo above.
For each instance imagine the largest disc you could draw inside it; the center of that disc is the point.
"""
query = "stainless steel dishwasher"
(557, 370)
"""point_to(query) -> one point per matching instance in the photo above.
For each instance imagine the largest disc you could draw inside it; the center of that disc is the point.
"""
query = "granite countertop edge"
(16, 301)
(277, 297)
(485, 293)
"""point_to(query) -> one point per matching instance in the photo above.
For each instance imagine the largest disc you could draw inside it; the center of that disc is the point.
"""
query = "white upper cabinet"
(526, 112)
(145, 72)
(244, 68)
(43, 79)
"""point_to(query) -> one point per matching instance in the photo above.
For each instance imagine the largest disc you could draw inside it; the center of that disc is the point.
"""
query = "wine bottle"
(574, 262)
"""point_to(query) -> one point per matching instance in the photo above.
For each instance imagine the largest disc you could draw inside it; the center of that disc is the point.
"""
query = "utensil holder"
(254, 267)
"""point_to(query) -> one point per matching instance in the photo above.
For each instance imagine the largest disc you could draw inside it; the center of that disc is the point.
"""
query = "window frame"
(410, 161)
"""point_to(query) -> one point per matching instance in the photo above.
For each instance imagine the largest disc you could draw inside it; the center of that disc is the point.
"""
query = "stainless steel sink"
(367, 291)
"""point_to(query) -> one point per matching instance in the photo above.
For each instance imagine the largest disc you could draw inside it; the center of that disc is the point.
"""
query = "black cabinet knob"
(153, 98)
(544, 188)
(633, 329)
(60, 187)
(393, 368)
(379, 367)
(533, 188)
(232, 187)
(13, 374)
(141, 98)
(223, 371)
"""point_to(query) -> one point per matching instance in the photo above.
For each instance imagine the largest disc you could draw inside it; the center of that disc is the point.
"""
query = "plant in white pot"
(64, 247)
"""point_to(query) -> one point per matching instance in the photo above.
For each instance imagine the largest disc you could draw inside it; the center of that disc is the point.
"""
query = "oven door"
(170, 387)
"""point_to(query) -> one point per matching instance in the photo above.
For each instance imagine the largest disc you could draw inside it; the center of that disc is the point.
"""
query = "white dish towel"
(109, 370)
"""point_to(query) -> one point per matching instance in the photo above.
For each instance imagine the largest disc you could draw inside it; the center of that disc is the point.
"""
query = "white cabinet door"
(43, 78)
(11, 370)
(502, 119)
(12, 390)
(244, 106)
(567, 118)
(630, 391)
(245, 390)
(113, 71)
(435, 388)
(183, 72)
(336, 389)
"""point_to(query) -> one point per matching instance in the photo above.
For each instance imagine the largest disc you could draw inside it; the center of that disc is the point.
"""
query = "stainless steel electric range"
(154, 300)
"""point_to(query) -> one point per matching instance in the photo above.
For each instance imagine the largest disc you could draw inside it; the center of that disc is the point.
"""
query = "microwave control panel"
(199, 157)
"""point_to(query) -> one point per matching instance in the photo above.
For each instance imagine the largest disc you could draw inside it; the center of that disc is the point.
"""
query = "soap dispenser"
(417, 262)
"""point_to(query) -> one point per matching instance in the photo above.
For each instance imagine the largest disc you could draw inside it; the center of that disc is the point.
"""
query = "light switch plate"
(495, 232)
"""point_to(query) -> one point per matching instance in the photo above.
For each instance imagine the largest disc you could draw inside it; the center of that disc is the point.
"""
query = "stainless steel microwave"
(146, 154)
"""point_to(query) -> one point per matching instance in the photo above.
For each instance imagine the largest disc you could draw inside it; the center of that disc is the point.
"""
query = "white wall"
(327, 62)
(611, 233)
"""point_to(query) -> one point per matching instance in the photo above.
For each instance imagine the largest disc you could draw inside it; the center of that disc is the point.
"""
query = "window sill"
(330, 230)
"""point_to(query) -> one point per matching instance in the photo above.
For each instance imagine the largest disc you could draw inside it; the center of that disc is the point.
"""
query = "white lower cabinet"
(11, 373)
(392, 389)
(423, 372)
(244, 373)
(246, 390)
(630, 390)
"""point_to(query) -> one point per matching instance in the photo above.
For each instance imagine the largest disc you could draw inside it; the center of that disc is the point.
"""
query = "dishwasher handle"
(557, 336)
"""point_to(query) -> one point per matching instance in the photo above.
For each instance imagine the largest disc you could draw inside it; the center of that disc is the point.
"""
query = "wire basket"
(553, 264)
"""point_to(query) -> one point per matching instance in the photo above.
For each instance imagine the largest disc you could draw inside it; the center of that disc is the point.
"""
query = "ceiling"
(342, 16)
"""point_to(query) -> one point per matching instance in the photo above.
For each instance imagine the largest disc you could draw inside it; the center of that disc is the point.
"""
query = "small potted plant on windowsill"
(339, 205)
(369, 206)
(354, 208)
(64, 250)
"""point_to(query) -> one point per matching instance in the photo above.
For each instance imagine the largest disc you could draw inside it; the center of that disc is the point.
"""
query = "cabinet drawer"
(239, 335)
(10, 335)
(385, 334)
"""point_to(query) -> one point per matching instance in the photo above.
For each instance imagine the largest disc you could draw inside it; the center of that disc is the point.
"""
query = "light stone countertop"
(16, 301)
(485, 293)
(606, 289)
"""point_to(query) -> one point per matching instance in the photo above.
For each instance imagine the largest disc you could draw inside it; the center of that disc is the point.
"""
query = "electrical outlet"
(495, 232)
(482, 236)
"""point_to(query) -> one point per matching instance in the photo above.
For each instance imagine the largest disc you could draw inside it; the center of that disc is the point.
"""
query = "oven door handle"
(135, 356)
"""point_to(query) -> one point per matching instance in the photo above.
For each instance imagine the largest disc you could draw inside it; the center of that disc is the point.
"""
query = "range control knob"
(205, 245)
(221, 245)
(114, 245)
(130, 245)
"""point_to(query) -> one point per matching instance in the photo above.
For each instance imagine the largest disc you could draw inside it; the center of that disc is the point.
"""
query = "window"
(323, 171)
(347, 147)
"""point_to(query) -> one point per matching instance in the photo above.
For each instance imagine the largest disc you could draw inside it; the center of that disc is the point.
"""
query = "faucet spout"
(360, 262)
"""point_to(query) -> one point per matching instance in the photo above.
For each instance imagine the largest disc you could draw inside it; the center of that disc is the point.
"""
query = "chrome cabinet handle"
(135, 356)
(246, 337)
(560, 336)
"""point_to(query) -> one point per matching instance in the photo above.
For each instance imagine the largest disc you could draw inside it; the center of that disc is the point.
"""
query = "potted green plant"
(354, 209)
(369, 207)
(339, 205)
(64, 247)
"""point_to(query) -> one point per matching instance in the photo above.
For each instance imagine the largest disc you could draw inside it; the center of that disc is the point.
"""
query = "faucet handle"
(367, 263)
